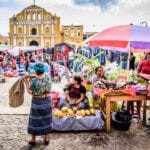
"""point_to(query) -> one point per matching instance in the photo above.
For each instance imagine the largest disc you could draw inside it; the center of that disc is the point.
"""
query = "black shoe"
(46, 142)
(32, 143)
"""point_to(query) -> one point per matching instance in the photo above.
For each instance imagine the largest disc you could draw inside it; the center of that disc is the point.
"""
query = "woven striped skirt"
(40, 119)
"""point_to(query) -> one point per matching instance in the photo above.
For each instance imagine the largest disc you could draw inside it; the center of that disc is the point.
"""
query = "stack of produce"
(73, 112)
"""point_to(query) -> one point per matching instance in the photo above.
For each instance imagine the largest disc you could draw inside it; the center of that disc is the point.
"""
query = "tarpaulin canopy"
(5, 48)
(15, 50)
(133, 38)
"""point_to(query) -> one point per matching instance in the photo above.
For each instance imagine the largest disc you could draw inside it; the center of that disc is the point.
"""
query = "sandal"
(32, 143)
(46, 142)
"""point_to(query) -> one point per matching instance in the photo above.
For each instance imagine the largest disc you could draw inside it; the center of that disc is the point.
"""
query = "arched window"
(47, 30)
(6, 43)
(34, 16)
(19, 30)
(71, 33)
(39, 16)
(34, 32)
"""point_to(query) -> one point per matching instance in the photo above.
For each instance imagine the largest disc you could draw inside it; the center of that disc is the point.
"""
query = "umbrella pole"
(19, 58)
(129, 56)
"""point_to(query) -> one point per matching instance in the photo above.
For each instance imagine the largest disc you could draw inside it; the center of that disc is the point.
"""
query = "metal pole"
(52, 40)
(19, 57)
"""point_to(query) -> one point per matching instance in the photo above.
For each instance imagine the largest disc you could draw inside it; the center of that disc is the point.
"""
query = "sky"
(95, 15)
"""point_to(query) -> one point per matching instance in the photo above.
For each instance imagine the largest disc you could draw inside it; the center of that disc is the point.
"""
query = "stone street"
(14, 136)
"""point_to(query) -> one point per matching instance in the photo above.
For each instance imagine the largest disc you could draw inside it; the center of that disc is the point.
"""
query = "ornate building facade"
(4, 40)
(34, 26)
(73, 34)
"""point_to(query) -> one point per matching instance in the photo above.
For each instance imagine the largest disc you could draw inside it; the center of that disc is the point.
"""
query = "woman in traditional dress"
(40, 119)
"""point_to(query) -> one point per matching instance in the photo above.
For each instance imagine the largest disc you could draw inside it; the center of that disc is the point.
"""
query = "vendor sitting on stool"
(75, 95)
(99, 71)
(100, 84)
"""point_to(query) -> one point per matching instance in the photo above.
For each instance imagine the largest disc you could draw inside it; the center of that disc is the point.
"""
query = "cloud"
(86, 12)
(103, 4)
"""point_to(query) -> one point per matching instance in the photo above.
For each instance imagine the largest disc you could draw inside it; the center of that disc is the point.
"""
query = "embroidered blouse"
(39, 87)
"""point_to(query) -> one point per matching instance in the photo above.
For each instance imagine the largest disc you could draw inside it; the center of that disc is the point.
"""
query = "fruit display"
(73, 112)
(87, 112)
(64, 109)
(92, 111)
(83, 113)
(75, 109)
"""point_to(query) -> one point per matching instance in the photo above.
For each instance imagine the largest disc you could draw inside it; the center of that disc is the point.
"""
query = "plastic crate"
(55, 99)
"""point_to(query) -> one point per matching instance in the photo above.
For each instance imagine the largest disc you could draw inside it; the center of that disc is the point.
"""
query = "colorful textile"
(40, 119)
(128, 91)
(39, 87)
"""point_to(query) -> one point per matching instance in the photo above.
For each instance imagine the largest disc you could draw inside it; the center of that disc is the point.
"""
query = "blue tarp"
(78, 123)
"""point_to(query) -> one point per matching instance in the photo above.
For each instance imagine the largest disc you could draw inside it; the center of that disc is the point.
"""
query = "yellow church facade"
(36, 26)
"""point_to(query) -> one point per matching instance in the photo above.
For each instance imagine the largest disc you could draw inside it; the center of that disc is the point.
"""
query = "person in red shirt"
(22, 59)
(14, 63)
(144, 67)
(143, 71)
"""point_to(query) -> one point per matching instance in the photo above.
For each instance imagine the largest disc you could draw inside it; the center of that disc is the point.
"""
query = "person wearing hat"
(40, 119)
(40, 60)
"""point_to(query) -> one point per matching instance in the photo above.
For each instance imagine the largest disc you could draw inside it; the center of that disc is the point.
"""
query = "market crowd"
(38, 84)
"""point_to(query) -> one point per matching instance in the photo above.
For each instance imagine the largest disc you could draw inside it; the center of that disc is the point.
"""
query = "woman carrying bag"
(40, 119)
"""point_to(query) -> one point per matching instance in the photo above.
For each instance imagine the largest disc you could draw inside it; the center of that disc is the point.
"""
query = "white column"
(15, 29)
(14, 41)
(52, 38)
(42, 41)
(29, 29)
(24, 28)
(25, 40)
(42, 31)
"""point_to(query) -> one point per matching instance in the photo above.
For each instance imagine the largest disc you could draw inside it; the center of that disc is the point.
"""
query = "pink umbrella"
(124, 38)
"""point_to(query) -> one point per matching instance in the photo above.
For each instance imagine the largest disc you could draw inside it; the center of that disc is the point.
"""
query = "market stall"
(123, 38)
(62, 51)
(123, 97)
(77, 120)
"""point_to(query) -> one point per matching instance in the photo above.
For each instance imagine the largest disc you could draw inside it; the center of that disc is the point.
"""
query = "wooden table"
(125, 98)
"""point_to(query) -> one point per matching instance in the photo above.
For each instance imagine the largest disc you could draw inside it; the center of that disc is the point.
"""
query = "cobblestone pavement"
(13, 131)
(13, 136)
